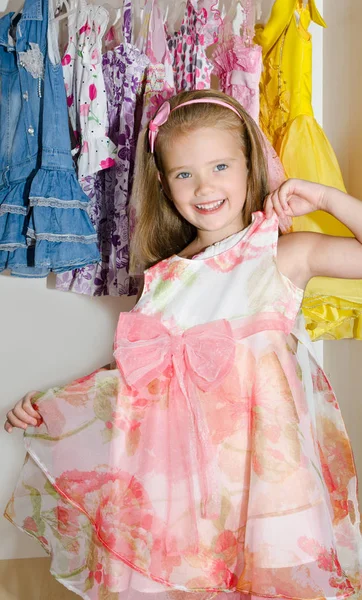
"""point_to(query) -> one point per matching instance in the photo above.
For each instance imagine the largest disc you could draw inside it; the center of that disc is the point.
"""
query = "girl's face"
(205, 175)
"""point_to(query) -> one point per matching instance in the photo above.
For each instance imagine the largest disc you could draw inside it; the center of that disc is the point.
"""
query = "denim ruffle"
(45, 226)
(40, 259)
(13, 211)
(59, 209)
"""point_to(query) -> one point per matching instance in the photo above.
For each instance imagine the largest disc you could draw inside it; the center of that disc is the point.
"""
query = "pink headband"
(165, 110)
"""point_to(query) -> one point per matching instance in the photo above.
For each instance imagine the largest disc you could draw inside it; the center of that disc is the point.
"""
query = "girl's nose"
(203, 187)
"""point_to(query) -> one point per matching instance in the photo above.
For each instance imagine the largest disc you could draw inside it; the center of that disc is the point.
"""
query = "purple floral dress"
(109, 190)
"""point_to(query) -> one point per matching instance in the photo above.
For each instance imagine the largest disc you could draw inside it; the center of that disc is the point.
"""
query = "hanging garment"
(159, 78)
(238, 63)
(332, 307)
(158, 83)
(214, 458)
(110, 190)
(86, 94)
(44, 224)
(192, 68)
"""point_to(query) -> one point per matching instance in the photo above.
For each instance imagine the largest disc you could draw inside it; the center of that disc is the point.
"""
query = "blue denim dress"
(44, 224)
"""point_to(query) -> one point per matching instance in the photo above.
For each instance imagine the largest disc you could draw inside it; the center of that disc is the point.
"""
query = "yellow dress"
(332, 307)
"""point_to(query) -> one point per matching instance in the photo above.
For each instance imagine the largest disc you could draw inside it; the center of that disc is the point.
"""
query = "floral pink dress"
(213, 462)
(86, 94)
(159, 78)
(158, 83)
(238, 65)
(192, 68)
(239, 69)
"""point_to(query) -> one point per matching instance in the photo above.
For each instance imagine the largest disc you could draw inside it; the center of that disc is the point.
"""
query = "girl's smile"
(210, 207)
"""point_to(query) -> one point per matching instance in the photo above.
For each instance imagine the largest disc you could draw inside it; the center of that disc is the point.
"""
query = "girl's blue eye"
(183, 175)
(221, 167)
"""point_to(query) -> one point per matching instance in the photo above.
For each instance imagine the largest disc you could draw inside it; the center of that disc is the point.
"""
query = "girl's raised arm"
(316, 254)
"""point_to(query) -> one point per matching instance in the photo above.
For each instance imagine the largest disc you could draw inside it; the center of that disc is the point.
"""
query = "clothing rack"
(172, 12)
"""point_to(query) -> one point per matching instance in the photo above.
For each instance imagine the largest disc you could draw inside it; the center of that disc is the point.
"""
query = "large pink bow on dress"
(201, 357)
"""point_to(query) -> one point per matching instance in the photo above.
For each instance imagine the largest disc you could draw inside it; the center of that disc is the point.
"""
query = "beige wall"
(342, 120)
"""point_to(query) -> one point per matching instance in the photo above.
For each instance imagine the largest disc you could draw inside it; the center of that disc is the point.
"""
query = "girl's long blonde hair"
(160, 230)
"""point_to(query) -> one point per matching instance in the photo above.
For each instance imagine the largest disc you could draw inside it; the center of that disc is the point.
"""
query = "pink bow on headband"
(160, 118)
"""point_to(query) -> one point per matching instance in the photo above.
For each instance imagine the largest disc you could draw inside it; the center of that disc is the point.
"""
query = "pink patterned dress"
(198, 30)
(159, 78)
(238, 65)
(158, 82)
(213, 462)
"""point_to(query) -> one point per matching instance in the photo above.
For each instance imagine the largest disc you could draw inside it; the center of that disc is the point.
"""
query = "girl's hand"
(23, 414)
(305, 254)
(294, 198)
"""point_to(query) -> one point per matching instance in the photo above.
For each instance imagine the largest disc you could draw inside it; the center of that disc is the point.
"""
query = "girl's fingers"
(28, 407)
(22, 415)
(283, 198)
(14, 421)
(285, 224)
(8, 427)
(268, 206)
(276, 204)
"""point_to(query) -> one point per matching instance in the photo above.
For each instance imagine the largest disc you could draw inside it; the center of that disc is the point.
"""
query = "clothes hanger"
(116, 17)
(141, 22)
(165, 15)
(68, 10)
(114, 11)
(233, 10)
(115, 5)
(174, 15)
(137, 11)
(232, 15)
(114, 22)
(258, 10)
(252, 13)
(164, 6)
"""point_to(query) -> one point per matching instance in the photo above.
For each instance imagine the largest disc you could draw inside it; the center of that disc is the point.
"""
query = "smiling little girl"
(213, 462)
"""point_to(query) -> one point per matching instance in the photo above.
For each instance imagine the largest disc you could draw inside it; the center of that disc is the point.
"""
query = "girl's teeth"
(211, 206)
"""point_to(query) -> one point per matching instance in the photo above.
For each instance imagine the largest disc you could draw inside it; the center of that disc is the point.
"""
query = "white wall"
(47, 338)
